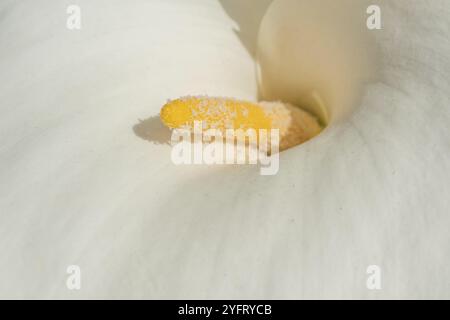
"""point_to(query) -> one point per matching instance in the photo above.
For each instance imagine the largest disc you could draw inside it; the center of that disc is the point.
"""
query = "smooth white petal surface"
(84, 182)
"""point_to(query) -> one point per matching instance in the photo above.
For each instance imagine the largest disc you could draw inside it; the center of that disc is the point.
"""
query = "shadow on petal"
(248, 15)
(153, 130)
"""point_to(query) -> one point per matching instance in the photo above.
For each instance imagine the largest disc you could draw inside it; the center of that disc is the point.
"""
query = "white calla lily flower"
(86, 183)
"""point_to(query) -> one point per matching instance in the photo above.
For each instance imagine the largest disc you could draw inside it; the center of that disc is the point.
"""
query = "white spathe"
(82, 185)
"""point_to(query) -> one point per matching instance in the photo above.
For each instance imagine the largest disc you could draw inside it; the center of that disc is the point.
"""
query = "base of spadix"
(296, 125)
